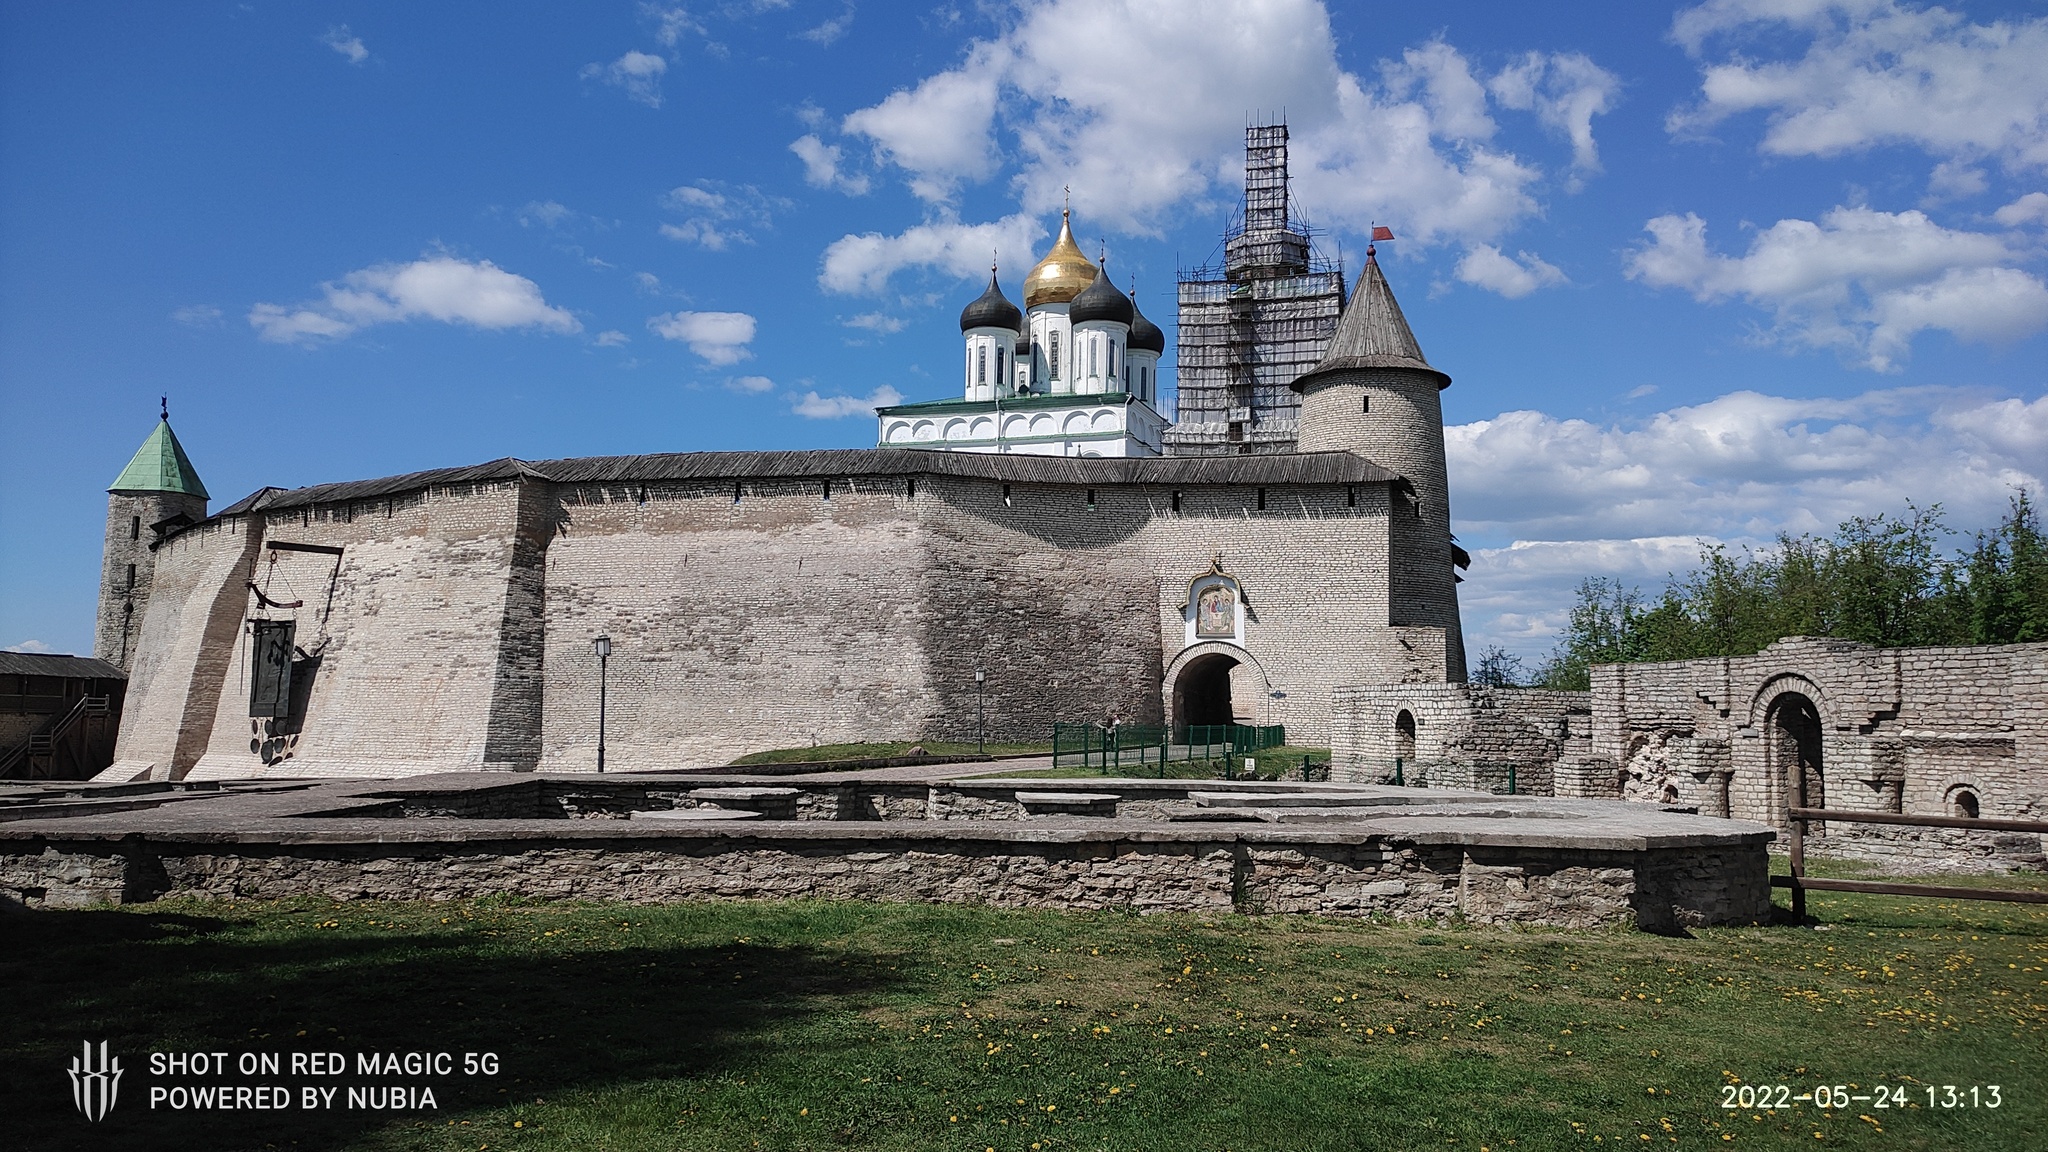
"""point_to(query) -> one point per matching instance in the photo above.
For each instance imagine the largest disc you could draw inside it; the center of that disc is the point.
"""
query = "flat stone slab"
(1068, 803)
(715, 795)
(696, 815)
(1293, 800)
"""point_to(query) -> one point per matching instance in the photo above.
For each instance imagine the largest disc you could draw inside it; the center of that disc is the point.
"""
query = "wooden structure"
(58, 715)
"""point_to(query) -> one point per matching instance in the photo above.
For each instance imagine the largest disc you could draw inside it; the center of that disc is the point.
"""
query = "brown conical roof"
(1373, 333)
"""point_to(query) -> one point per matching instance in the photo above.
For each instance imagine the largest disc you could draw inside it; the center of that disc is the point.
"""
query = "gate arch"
(1194, 673)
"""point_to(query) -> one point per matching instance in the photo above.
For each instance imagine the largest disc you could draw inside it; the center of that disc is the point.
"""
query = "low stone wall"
(1254, 870)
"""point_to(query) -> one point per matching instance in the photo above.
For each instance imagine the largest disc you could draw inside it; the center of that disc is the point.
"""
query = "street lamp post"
(980, 737)
(603, 647)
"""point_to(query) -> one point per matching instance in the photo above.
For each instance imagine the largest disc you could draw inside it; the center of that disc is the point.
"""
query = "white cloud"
(197, 315)
(28, 646)
(1565, 90)
(1861, 281)
(719, 214)
(1488, 267)
(348, 45)
(829, 32)
(638, 74)
(1640, 391)
(1874, 72)
(613, 338)
(878, 322)
(1633, 500)
(718, 337)
(648, 283)
(754, 384)
(545, 213)
(440, 287)
(1139, 105)
(818, 407)
(864, 263)
(671, 23)
(1954, 180)
(822, 165)
(2029, 209)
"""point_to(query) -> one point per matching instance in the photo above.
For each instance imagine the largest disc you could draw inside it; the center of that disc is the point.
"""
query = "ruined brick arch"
(1790, 713)
(1194, 663)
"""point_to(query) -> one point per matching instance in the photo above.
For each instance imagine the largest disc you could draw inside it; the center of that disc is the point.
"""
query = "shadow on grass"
(571, 1020)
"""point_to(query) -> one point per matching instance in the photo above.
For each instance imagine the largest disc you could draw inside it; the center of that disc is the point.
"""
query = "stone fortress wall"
(754, 610)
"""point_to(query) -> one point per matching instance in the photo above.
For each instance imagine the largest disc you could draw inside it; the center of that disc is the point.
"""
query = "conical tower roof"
(1373, 333)
(160, 465)
(1064, 272)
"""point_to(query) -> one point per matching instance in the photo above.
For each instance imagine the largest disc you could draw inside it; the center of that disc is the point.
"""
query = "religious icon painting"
(1216, 612)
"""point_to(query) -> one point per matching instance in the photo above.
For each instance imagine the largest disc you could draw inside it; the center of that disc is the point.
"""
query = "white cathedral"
(1074, 374)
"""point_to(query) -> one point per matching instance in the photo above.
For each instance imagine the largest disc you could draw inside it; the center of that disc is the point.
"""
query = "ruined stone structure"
(1920, 731)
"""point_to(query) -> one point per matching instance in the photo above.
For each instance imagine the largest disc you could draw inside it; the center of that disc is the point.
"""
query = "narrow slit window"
(910, 488)
(828, 489)
(1091, 499)
(131, 577)
(1176, 500)
(981, 365)
(1006, 495)
(1262, 499)
(1052, 355)
(1365, 404)
(1350, 496)
(135, 527)
(736, 491)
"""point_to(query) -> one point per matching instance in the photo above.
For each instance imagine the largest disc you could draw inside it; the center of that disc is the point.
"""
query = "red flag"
(1380, 232)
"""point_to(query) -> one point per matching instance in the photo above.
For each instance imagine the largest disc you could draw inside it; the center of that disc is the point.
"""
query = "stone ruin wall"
(455, 632)
(1466, 736)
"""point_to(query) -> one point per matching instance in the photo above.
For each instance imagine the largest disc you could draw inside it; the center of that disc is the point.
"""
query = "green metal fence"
(1138, 747)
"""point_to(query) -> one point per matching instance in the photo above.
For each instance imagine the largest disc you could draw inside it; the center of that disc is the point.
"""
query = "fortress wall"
(186, 639)
(779, 620)
(407, 632)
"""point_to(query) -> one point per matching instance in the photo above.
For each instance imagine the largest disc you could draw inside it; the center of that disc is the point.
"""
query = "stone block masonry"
(478, 834)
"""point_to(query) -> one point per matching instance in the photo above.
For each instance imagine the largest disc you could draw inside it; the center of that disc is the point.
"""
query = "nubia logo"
(95, 1081)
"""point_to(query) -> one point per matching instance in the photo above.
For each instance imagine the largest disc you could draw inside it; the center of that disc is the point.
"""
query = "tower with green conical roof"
(157, 493)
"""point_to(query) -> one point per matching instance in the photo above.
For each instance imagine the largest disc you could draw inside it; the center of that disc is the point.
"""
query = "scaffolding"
(1250, 327)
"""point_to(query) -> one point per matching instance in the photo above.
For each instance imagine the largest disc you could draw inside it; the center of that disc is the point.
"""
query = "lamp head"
(602, 646)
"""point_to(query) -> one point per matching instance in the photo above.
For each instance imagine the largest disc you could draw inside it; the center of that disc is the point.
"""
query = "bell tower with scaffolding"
(1250, 328)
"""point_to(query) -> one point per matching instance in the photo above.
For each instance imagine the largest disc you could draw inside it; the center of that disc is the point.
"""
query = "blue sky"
(1699, 272)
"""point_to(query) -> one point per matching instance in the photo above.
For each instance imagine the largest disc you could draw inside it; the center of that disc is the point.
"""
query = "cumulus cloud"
(753, 384)
(1861, 281)
(864, 263)
(2029, 209)
(1139, 105)
(717, 337)
(439, 287)
(28, 646)
(1487, 267)
(817, 407)
(829, 32)
(545, 213)
(718, 215)
(823, 165)
(1565, 90)
(347, 44)
(880, 323)
(1635, 500)
(613, 338)
(637, 74)
(1872, 72)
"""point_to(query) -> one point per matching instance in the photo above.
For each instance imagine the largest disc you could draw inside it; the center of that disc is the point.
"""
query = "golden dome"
(1062, 274)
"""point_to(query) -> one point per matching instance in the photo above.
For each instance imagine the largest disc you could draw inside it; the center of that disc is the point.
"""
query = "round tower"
(1375, 395)
(157, 493)
(990, 326)
(1101, 321)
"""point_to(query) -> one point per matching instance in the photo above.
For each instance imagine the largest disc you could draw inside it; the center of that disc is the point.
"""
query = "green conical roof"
(160, 465)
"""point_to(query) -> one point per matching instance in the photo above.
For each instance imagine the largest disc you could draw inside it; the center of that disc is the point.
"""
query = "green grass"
(885, 748)
(829, 1026)
(1272, 764)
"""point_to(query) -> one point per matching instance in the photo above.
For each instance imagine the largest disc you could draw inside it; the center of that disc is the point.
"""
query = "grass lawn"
(887, 748)
(829, 1026)
(1272, 763)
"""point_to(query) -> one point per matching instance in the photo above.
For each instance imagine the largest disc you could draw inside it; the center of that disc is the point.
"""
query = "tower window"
(1052, 355)
(736, 491)
(828, 489)
(1351, 496)
(981, 365)
(1262, 499)
(1091, 499)
(1006, 495)
(131, 577)
(999, 363)
(135, 527)
(1365, 404)
(910, 487)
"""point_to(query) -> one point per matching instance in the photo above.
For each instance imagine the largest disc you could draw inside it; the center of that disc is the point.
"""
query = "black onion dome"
(1145, 335)
(1100, 301)
(991, 310)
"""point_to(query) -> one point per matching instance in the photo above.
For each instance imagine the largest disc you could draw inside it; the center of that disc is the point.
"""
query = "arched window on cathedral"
(999, 364)
(1052, 355)
(1095, 356)
(981, 365)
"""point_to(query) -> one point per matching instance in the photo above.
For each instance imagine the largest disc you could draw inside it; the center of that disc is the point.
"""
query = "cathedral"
(1076, 373)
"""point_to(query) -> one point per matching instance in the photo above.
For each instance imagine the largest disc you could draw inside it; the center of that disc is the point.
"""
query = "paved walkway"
(930, 771)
